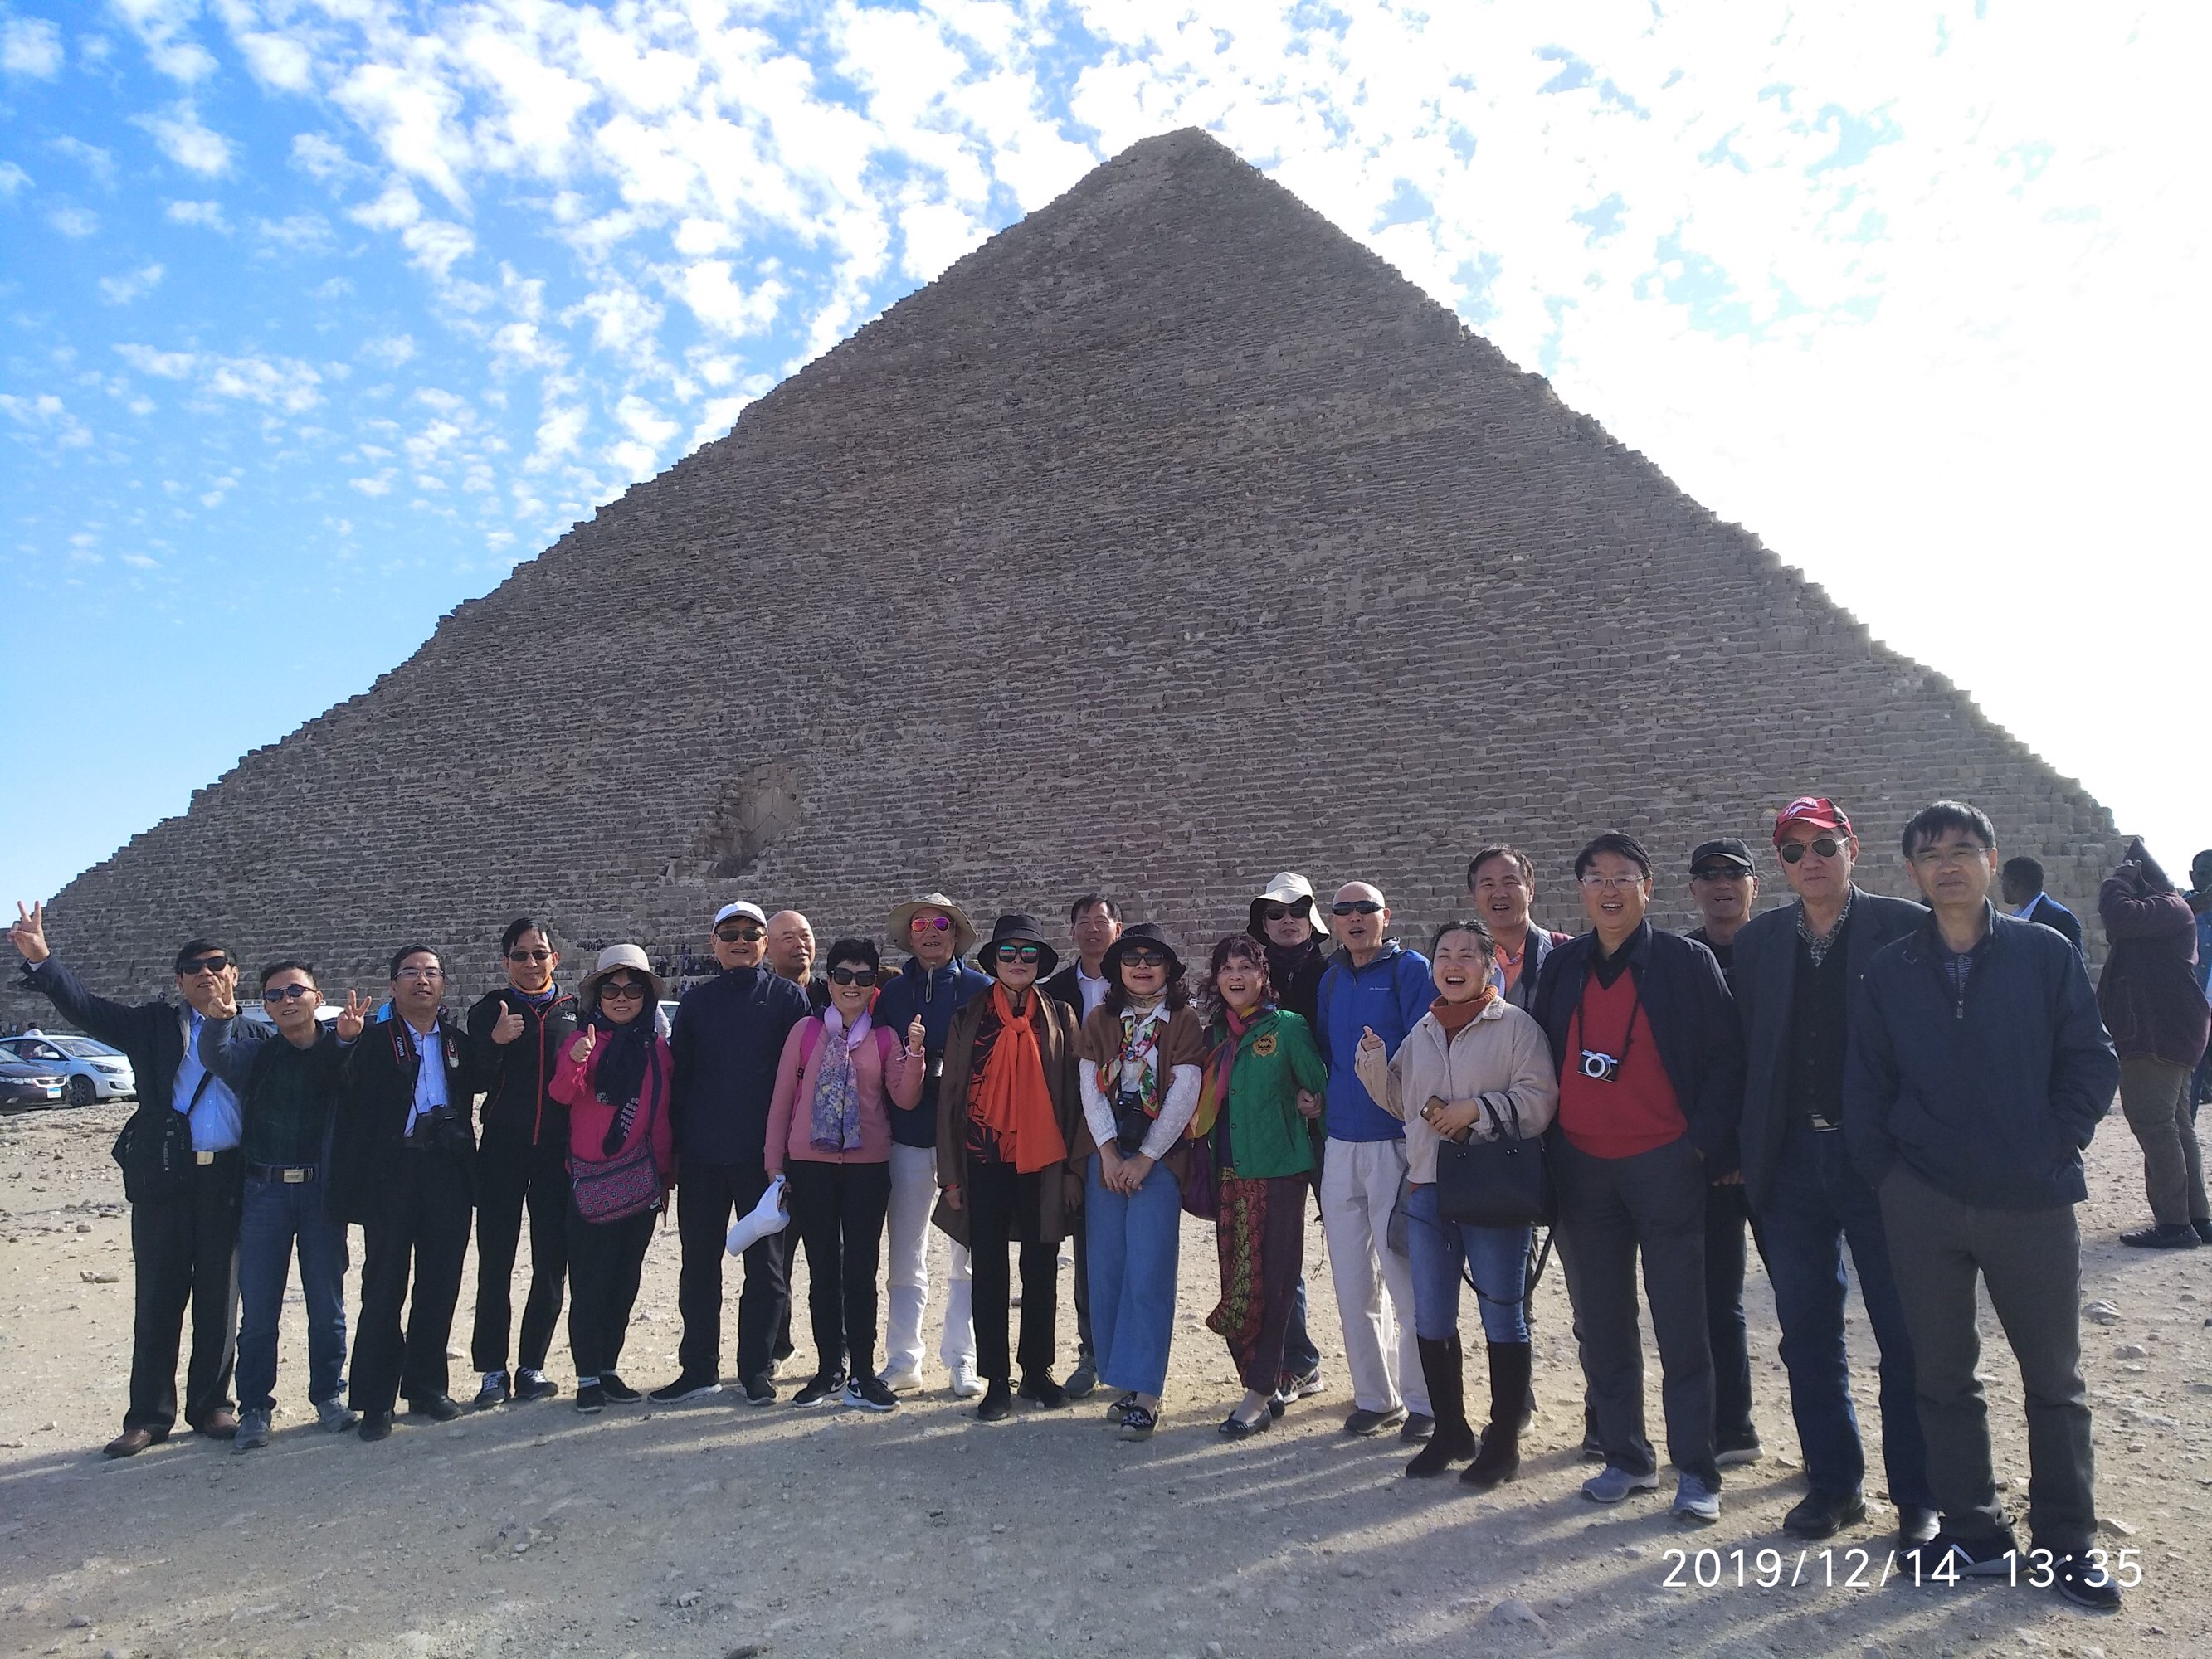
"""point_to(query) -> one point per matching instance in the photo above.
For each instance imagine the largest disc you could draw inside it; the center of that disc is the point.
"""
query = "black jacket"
(1765, 980)
(518, 1112)
(1693, 1020)
(1989, 1098)
(726, 1043)
(245, 1055)
(151, 1034)
(375, 1102)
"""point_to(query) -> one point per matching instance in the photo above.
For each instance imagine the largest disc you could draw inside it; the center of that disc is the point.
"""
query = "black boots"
(1442, 1369)
(1499, 1460)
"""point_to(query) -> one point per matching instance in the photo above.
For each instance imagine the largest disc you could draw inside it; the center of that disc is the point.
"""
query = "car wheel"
(82, 1090)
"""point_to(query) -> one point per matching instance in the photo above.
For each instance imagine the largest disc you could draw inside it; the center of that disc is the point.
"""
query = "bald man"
(791, 947)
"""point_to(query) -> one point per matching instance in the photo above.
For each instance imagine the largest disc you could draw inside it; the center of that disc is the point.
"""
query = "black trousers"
(421, 1233)
(709, 1196)
(1003, 1210)
(838, 1210)
(605, 1260)
(511, 1180)
(1611, 1209)
(183, 1253)
(1727, 1217)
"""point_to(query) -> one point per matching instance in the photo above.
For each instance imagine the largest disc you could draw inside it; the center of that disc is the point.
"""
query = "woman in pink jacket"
(613, 1076)
(829, 1137)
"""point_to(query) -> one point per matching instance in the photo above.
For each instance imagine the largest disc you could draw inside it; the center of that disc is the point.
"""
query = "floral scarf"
(835, 1125)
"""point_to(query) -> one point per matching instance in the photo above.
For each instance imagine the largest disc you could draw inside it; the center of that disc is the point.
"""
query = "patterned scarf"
(1012, 1100)
(1136, 1069)
(1221, 1064)
(622, 1052)
(1817, 948)
(835, 1120)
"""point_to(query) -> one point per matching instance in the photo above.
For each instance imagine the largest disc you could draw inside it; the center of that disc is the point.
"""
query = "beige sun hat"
(901, 922)
(621, 956)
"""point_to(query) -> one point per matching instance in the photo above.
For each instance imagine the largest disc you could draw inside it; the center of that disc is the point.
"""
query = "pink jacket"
(880, 1068)
(589, 1117)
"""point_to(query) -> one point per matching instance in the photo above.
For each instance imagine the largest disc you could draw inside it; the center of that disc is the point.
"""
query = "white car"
(90, 1070)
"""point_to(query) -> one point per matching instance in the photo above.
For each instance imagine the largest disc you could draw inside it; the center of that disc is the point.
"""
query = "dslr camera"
(441, 1129)
(1600, 1067)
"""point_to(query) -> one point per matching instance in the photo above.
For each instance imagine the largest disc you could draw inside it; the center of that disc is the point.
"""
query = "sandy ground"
(721, 1530)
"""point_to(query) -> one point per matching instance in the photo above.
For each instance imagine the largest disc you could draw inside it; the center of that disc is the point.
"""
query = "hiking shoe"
(495, 1392)
(1696, 1501)
(966, 1385)
(1138, 1422)
(685, 1389)
(1082, 1381)
(869, 1394)
(2163, 1235)
(1824, 1514)
(759, 1391)
(618, 1393)
(252, 1431)
(1418, 1426)
(590, 1398)
(902, 1379)
(2083, 1580)
(824, 1385)
(1947, 1557)
(332, 1415)
(1732, 1451)
(997, 1402)
(1039, 1390)
(1613, 1483)
(1365, 1422)
(535, 1385)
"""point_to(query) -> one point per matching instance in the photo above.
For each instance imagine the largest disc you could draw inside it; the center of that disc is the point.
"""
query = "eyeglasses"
(740, 935)
(1595, 882)
(1144, 956)
(530, 956)
(862, 977)
(938, 923)
(1354, 907)
(1724, 872)
(288, 993)
(214, 964)
(424, 973)
(1936, 857)
(1019, 953)
(1827, 846)
(622, 988)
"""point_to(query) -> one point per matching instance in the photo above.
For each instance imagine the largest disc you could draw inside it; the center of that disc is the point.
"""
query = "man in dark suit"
(183, 1221)
(402, 1167)
(1795, 969)
(2021, 883)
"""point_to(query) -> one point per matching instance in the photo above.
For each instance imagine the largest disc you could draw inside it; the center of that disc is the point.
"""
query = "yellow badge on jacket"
(1265, 1046)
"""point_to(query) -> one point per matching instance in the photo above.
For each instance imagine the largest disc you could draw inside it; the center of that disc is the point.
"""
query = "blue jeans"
(1132, 1244)
(1497, 1256)
(274, 1217)
(1817, 1205)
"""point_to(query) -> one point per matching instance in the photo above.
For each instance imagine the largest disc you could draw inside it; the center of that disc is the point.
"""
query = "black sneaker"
(1734, 1450)
(997, 1402)
(1417, 1428)
(759, 1391)
(375, 1425)
(825, 1387)
(1365, 1422)
(1082, 1380)
(438, 1407)
(591, 1397)
(618, 1393)
(534, 1385)
(495, 1392)
(1039, 1390)
(1947, 1557)
(1824, 1514)
(869, 1394)
(686, 1388)
(2085, 1582)
(2163, 1236)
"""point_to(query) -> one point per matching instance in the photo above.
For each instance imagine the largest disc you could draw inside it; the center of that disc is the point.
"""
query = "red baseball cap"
(1817, 810)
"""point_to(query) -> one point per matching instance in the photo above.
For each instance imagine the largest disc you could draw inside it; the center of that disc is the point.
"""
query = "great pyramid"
(1169, 539)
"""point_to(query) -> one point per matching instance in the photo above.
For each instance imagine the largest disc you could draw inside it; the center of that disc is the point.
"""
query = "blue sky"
(316, 316)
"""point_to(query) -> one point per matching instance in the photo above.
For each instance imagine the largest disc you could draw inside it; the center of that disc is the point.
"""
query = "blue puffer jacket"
(1390, 993)
(1990, 1097)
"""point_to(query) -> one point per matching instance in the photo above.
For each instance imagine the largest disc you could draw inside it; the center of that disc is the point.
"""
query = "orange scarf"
(1456, 1017)
(1011, 1099)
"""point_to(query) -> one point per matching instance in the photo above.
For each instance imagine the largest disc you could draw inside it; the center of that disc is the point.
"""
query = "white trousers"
(914, 1196)
(1360, 1183)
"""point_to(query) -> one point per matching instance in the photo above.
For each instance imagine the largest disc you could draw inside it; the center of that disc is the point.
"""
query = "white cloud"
(91, 157)
(12, 178)
(560, 434)
(283, 383)
(303, 234)
(186, 141)
(323, 159)
(207, 214)
(45, 417)
(719, 300)
(391, 350)
(122, 290)
(74, 222)
(31, 47)
(162, 27)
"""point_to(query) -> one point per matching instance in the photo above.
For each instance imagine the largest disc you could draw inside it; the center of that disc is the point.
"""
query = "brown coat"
(1056, 1034)
(1183, 1043)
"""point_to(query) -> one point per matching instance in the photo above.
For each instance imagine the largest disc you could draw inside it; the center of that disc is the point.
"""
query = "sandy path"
(721, 1530)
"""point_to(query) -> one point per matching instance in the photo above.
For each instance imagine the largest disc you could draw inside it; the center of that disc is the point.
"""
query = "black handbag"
(1505, 1182)
(155, 1150)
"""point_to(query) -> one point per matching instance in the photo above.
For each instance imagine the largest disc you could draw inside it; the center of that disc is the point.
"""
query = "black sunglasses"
(530, 956)
(1144, 956)
(1015, 952)
(214, 964)
(735, 935)
(1354, 907)
(620, 987)
(288, 993)
(861, 976)
(1277, 912)
(1827, 846)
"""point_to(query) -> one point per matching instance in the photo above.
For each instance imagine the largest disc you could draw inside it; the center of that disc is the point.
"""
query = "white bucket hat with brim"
(901, 924)
(620, 956)
(1287, 887)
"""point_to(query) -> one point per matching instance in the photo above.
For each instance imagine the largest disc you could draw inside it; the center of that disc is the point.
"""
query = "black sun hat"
(1144, 932)
(1016, 928)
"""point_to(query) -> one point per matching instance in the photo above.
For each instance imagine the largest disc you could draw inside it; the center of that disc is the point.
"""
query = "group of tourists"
(1913, 1082)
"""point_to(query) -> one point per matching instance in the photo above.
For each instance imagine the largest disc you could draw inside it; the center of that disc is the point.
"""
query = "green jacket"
(1275, 1059)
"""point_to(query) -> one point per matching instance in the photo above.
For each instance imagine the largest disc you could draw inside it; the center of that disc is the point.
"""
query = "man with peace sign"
(182, 1181)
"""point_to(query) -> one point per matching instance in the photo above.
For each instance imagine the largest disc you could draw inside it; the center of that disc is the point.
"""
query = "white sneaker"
(905, 1380)
(966, 1385)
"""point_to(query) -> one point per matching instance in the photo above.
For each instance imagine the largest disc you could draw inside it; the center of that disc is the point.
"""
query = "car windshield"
(86, 1048)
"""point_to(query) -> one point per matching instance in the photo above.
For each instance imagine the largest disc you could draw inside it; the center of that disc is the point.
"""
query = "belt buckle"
(203, 1159)
(294, 1175)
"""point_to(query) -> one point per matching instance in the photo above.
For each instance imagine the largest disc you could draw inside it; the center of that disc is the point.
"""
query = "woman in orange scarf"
(1007, 1115)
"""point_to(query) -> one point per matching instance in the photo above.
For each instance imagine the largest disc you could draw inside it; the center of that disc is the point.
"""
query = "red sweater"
(1637, 1111)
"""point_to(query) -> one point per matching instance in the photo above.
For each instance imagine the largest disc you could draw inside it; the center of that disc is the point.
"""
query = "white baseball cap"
(742, 908)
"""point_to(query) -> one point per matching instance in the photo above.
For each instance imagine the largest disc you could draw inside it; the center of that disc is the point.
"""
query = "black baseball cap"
(1731, 848)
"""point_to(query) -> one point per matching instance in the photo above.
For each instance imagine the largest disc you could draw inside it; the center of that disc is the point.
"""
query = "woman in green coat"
(1263, 1080)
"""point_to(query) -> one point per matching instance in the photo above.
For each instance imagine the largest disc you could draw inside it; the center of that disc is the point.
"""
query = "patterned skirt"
(1262, 1232)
